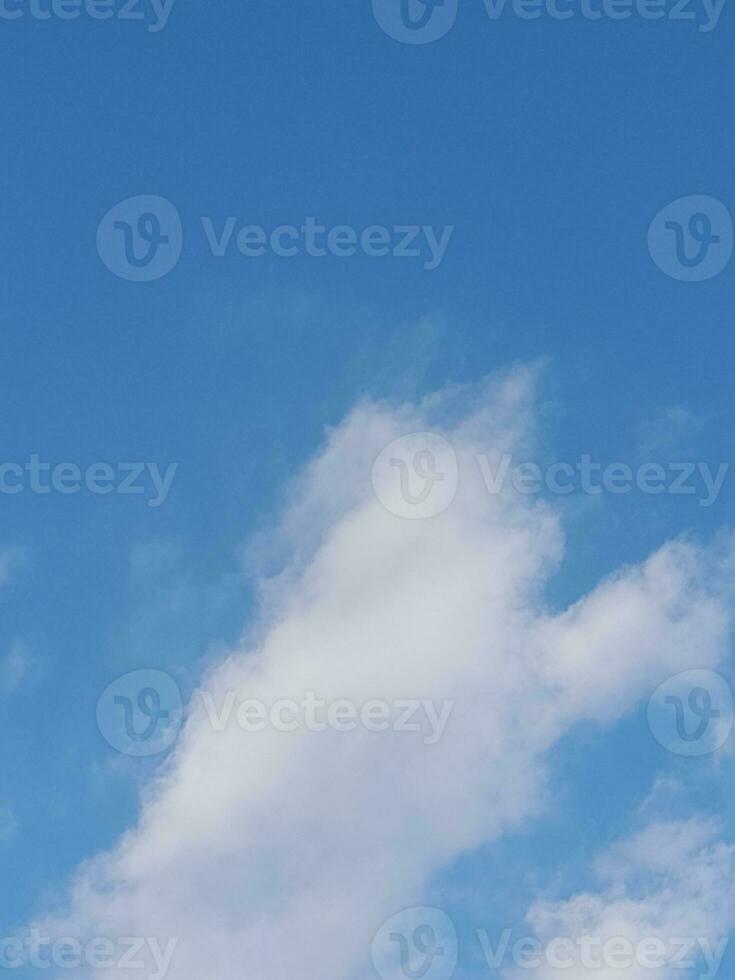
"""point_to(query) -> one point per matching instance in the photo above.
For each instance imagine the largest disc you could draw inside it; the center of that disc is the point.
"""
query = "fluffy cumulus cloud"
(278, 854)
(665, 909)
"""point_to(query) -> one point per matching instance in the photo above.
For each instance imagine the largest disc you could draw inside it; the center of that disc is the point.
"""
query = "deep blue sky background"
(549, 146)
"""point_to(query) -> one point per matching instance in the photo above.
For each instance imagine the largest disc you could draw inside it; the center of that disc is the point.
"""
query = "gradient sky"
(549, 146)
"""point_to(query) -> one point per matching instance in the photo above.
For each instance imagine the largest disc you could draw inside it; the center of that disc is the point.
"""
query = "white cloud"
(667, 895)
(279, 855)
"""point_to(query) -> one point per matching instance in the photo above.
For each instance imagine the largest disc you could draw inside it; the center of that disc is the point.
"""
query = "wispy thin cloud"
(8, 823)
(17, 667)
(665, 432)
(11, 560)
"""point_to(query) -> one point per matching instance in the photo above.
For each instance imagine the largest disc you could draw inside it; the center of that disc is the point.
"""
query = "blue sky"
(548, 146)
